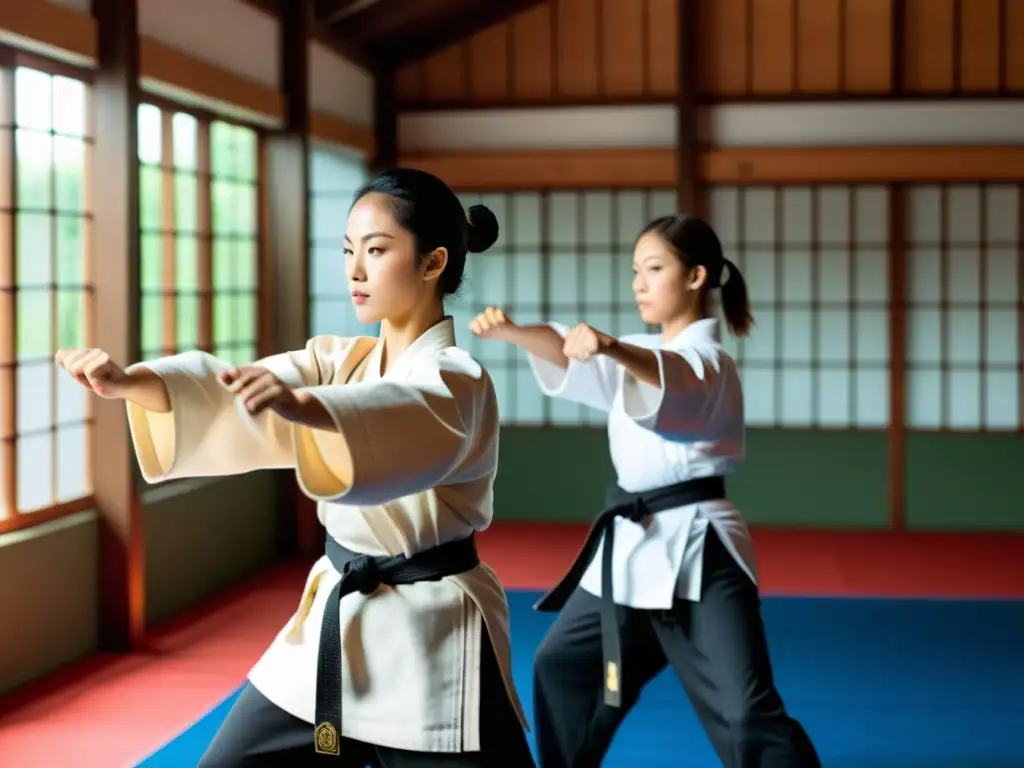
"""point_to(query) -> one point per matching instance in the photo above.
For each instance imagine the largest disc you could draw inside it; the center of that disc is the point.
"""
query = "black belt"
(364, 573)
(635, 506)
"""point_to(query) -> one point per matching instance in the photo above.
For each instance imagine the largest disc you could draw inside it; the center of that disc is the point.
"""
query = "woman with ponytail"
(667, 574)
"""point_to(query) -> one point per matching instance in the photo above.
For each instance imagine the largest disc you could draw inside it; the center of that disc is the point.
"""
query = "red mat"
(112, 711)
(810, 563)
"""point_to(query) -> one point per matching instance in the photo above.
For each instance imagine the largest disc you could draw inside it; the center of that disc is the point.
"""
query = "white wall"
(338, 87)
(733, 125)
(229, 34)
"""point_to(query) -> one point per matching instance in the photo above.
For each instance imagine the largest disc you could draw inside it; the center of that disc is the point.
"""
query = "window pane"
(245, 318)
(223, 265)
(69, 106)
(35, 330)
(245, 210)
(225, 205)
(34, 152)
(224, 319)
(186, 264)
(150, 134)
(69, 166)
(35, 471)
(71, 319)
(186, 203)
(188, 322)
(246, 265)
(150, 189)
(245, 154)
(184, 129)
(151, 274)
(221, 150)
(72, 463)
(33, 99)
(34, 244)
(152, 311)
(34, 413)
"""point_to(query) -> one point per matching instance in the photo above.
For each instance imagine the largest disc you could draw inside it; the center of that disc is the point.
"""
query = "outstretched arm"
(667, 391)
(184, 421)
(591, 382)
(371, 442)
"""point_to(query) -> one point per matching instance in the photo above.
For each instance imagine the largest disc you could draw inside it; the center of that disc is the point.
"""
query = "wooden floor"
(112, 711)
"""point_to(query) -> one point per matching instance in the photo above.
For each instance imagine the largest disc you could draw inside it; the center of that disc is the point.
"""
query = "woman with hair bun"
(398, 654)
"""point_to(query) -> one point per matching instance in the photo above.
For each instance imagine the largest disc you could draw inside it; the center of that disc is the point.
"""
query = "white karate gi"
(423, 441)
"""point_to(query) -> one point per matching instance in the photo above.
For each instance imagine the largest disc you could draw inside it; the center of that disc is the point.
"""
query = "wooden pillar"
(689, 197)
(385, 118)
(285, 185)
(115, 196)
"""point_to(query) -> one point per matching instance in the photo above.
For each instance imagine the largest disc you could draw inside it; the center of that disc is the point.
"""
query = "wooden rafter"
(417, 45)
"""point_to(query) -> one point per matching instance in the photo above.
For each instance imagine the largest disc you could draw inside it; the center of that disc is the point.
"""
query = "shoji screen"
(562, 255)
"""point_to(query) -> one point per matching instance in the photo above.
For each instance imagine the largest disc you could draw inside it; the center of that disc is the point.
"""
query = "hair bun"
(483, 228)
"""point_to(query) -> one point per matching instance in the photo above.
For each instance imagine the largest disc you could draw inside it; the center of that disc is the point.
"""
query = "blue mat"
(877, 684)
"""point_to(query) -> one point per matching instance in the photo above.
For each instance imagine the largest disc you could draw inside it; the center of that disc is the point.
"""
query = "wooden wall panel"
(965, 47)
(773, 49)
(559, 52)
(625, 51)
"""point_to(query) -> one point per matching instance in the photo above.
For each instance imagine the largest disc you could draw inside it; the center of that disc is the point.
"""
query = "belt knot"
(361, 572)
(637, 511)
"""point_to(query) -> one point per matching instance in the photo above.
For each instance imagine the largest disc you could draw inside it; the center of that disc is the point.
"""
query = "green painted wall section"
(790, 478)
(795, 479)
(965, 482)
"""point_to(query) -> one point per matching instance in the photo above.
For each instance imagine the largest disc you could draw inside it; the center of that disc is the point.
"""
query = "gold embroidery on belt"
(612, 679)
(326, 739)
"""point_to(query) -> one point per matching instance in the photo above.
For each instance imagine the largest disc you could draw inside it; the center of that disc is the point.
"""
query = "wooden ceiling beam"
(335, 11)
(386, 20)
(415, 46)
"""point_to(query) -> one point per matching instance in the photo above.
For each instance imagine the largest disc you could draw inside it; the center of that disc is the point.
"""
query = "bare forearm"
(146, 390)
(640, 362)
(542, 341)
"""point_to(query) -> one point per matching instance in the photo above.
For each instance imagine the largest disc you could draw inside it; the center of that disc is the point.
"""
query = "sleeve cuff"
(552, 379)
(325, 464)
(154, 435)
(641, 401)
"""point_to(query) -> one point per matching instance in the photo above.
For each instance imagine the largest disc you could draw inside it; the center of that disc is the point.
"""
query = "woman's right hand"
(492, 323)
(94, 370)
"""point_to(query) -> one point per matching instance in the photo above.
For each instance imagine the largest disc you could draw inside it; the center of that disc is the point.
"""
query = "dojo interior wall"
(219, 57)
(595, 80)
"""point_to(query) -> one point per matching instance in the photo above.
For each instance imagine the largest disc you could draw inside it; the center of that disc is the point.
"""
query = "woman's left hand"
(583, 342)
(259, 389)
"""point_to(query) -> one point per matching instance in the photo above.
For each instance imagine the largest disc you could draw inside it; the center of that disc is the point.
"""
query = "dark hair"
(425, 206)
(695, 243)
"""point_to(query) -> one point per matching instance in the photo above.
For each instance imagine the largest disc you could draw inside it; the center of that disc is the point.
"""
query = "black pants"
(717, 649)
(257, 733)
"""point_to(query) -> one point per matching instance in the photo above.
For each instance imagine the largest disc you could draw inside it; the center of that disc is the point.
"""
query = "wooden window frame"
(205, 234)
(11, 517)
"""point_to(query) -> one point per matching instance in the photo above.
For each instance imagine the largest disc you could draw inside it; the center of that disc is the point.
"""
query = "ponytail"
(736, 302)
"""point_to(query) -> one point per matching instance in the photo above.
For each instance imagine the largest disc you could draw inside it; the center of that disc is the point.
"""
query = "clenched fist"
(94, 370)
(492, 323)
(583, 342)
(259, 389)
